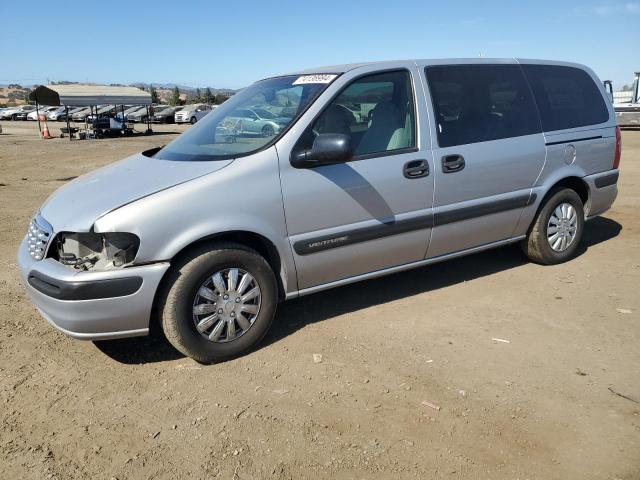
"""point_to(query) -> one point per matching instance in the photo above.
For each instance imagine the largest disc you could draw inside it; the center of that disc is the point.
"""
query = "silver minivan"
(376, 168)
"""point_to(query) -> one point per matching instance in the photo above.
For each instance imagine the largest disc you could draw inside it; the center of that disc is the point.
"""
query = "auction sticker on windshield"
(319, 78)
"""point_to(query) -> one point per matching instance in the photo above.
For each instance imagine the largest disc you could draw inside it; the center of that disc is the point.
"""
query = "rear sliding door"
(490, 150)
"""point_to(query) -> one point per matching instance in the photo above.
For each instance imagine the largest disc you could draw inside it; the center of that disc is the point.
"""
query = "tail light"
(616, 159)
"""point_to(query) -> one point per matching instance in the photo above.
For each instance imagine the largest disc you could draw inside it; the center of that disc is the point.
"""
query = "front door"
(490, 152)
(374, 211)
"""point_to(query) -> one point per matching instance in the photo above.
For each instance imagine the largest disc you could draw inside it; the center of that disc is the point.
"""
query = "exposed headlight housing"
(96, 251)
(38, 237)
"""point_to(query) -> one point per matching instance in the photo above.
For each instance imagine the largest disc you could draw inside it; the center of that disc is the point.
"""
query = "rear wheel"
(267, 131)
(218, 302)
(557, 229)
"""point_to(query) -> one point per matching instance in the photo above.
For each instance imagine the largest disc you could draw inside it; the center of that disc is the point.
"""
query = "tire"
(538, 246)
(179, 296)
(14, 117)
(267, 131)
(193, 120)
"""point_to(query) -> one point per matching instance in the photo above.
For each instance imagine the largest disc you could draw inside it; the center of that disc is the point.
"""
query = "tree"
(208, 96)
(154, 95)
(198, 97)
(175, 97)
(220, 99)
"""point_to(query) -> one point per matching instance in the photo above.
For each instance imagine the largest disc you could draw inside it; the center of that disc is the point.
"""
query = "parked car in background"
(81, 115)
(22, 116)
(54, 110)
(128, 111)
(255, 121)
(224, 228)
(16, 113)
(61, 116)
(41, 110)
(166, 115)
(141, 115)
(6, 113)
(103, 111)
(192, 113)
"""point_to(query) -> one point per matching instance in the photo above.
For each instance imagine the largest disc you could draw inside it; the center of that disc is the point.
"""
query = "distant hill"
(13, 94)
(184, 88)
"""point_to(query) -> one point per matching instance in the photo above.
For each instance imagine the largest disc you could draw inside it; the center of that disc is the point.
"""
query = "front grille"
(38, 236)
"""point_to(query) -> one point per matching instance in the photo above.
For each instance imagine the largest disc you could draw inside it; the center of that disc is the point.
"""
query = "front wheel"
(193, 120)
(218, 302)
(557, 229)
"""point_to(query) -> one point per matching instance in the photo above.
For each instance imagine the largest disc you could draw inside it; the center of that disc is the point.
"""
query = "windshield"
(235, 129)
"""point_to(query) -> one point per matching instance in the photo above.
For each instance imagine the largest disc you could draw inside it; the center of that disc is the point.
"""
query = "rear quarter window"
(567, 97)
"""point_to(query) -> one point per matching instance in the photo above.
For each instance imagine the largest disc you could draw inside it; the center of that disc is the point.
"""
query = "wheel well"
(257, 242)
(576, 184)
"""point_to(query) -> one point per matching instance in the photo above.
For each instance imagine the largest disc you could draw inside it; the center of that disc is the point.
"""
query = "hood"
(78, 204)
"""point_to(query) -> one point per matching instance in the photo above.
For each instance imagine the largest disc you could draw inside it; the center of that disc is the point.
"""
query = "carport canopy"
(82, 95)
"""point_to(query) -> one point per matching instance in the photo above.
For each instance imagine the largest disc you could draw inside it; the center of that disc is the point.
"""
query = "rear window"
(479, 103)
(567, 97)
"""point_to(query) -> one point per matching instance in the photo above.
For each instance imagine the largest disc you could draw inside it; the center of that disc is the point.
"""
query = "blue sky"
(231, 44)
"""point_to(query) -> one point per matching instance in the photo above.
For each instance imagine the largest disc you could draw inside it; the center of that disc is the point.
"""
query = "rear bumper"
(603, 190)
(91, 305)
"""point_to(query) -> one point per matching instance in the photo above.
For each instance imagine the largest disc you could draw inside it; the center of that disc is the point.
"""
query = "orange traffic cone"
(45, 129)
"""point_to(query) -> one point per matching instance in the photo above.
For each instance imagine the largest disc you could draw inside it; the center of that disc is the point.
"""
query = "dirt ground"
(539, 407)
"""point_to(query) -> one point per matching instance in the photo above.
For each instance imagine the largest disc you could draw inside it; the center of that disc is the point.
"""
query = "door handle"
(416, 169)
(452, 163)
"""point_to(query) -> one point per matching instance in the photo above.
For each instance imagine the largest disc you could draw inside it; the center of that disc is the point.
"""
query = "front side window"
(566, 96)
(234, 129)
(376, 112)
(479, 103)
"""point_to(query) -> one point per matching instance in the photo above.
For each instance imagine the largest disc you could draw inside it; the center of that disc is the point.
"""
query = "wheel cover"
(226, 305)
(562, 227)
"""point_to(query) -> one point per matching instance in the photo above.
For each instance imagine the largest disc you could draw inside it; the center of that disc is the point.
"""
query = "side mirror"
(327, 149)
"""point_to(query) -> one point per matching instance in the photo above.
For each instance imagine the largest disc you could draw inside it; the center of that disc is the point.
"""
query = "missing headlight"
(99, 251)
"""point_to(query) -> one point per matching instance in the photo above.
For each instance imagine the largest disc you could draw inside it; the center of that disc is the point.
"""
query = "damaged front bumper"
(91, 305)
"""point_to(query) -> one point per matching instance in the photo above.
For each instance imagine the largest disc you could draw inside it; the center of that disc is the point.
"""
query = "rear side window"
(567, 97)
(478, 103)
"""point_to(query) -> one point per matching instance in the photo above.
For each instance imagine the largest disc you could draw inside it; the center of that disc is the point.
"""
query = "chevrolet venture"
(380, 167)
